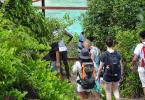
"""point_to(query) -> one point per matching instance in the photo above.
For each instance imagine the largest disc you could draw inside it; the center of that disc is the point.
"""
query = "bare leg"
(108, 90)
(144, 91)
(115, 88)
(66, 69)
(82, 95)
(65, 62)
(96, 96)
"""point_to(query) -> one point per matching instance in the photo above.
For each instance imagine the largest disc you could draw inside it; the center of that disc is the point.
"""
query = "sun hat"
(85, 54)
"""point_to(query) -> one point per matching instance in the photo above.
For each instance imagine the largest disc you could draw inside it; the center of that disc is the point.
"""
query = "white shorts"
(142, 78)
(80, 89)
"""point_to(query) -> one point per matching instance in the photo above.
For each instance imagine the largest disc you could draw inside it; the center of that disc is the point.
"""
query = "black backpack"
(112, 69)
(88, 75)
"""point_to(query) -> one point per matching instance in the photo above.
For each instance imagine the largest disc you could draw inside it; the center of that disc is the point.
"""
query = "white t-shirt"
(138, 51)
(62, 46)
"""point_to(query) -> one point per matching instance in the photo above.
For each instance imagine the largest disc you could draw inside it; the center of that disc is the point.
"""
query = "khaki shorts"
(142, 78)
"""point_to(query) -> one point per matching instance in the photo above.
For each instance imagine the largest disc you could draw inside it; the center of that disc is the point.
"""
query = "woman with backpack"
(113, 70)
(95, 57)
(86, 74)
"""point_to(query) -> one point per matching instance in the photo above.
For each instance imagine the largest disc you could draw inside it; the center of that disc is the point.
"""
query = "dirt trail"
(73, 81)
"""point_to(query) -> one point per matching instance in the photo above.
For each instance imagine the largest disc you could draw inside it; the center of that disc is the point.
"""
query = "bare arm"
(68, 34)
(134, 60)
(92, 56)
(57, 59)
(121, 64)
(100, 69)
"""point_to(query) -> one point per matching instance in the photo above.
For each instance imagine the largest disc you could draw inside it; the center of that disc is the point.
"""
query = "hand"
(57, 64)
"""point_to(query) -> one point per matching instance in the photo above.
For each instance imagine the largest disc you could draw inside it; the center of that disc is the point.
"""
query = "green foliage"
(73, 46)
(106, 17)
(123, 20)
(23, 34)
(127, 40)
(23, 13)
(20, 72)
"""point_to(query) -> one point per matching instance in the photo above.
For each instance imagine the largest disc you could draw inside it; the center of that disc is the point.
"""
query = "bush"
(105, 18)
(123, 20)
(24, 74)
(127, 40)
(23, 13)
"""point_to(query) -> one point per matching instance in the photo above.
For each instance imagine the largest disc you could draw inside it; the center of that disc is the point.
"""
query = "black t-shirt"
(111, 73)
(52, 53)
(105, 59)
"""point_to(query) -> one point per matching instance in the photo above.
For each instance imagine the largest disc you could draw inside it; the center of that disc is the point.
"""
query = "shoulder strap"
(143, 57)
(82, 72)
(143, 49)
(106, 53)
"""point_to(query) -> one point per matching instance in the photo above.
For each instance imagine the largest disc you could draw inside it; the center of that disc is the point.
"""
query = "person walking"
(54, 57)
(113, 70)
(63, 53)
(63, 50)
(86, 74)
(139, 53)
(95, 56)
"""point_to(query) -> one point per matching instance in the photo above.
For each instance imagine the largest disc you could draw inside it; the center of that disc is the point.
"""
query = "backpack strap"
(142, 59)
(107, 54)
(143, 49)
(83, 71)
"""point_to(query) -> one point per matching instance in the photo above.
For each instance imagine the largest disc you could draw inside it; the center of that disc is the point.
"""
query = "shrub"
(105, 18)
(24, 74)
(127, 40)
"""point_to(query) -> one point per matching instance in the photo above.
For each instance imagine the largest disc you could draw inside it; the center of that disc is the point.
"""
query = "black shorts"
(63, 55)
(111, 78)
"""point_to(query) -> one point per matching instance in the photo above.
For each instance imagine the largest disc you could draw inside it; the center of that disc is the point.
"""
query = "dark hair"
(142, 34)
(109, 41)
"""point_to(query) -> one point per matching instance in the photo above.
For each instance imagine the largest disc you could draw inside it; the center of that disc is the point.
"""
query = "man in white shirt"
(139, 53)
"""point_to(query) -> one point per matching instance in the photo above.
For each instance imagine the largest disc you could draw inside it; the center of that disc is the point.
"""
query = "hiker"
(86, 74)
(113, 70)
(63, 50)
(63, 53)
(95, 56)
(139, 53)
(54, 57)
